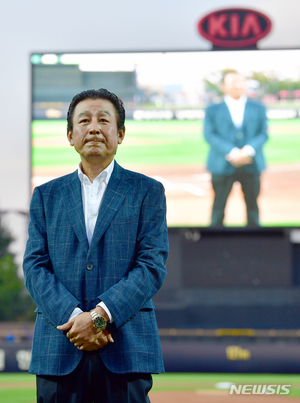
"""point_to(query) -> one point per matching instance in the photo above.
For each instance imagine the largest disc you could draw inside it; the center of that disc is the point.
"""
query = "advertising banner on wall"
(15, 357)
(241, 24)
(234, 28)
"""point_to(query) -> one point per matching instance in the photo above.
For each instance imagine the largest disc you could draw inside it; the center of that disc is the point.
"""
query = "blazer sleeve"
(221, 144)
(261, 135)
(148, 272)
(50, 295)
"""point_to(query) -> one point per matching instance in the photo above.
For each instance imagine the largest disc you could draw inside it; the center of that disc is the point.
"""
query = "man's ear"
(121, 135)
(70, 137)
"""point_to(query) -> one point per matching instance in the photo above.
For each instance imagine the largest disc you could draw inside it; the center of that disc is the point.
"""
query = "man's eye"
(83, 121)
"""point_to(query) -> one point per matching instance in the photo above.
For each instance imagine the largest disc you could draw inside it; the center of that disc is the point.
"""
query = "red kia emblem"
(234, 27)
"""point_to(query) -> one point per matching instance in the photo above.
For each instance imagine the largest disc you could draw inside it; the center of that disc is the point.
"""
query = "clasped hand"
(84, 335)
(239, 158)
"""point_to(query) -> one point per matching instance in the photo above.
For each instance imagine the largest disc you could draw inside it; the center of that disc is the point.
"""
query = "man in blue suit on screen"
(95, 256)
(236, 130)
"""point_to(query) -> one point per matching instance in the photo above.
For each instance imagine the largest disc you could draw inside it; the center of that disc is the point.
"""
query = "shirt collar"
(104, 175)
(238, 102)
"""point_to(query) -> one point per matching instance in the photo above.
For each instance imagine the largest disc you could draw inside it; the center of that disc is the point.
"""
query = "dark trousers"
(92, 382)
(222, 185)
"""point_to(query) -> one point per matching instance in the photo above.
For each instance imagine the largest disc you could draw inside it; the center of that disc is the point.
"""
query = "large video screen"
(165, 96)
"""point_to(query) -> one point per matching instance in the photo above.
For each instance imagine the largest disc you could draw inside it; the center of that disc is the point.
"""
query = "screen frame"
(223, 228)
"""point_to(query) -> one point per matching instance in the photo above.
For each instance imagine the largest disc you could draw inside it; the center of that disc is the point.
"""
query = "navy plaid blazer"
(124, 266)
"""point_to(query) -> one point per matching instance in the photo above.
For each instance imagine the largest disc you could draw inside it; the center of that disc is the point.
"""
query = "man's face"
(234, 84)
(95, 132)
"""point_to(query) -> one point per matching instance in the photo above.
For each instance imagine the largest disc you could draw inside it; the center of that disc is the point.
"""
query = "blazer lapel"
(246, 116)
(117, 188)
(72, 200)
(226, 112)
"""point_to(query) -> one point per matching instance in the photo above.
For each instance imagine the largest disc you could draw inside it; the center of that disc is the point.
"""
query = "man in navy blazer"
(95, 256)
(236, 130)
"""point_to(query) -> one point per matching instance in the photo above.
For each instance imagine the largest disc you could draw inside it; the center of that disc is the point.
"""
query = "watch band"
(94, 314)
(98, 321)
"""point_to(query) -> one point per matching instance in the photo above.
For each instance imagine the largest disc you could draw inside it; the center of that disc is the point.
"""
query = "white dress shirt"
(92, 195)
(237, 110)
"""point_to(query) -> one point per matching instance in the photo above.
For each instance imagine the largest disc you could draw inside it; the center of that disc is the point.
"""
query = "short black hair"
(101, 93)
(230, 71)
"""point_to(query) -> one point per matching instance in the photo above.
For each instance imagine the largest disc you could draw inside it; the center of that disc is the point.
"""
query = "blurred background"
(233, 293)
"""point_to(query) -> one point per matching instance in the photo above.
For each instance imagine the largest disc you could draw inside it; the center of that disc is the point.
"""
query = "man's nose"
(94, 127)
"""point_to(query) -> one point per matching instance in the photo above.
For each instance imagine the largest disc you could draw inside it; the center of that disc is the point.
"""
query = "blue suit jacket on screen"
(222, 136)
(124, 267)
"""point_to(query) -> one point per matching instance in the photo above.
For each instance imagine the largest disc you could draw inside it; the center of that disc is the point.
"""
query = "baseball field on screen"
(20, 388)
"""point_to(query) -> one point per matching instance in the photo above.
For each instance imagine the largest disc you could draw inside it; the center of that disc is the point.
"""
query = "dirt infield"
(189, 195)
(17, 385)
(215, 397)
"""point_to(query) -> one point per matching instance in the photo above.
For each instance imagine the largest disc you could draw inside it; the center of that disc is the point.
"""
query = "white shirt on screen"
(92, 195)
(237, 109)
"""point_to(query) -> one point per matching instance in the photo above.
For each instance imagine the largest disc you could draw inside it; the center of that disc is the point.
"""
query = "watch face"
(100, 323)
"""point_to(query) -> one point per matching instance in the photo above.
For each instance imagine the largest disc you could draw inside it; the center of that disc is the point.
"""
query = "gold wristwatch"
(98, 321)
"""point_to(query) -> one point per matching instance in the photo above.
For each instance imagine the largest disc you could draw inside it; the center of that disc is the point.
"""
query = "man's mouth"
(94, 140)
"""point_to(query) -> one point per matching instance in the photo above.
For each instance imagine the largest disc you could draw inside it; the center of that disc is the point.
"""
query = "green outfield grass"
(161, 143)
(17, 388)
(20, 388)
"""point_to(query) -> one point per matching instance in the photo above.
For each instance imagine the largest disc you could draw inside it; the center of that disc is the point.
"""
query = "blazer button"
(239, 135)
(89, 266)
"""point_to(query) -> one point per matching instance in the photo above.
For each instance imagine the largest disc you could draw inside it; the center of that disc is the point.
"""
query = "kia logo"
(234, 27)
